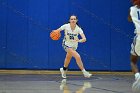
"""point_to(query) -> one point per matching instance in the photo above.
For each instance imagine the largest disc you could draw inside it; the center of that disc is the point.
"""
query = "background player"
(135, 46)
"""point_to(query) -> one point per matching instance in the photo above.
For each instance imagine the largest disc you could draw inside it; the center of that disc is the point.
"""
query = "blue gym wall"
(25, 26)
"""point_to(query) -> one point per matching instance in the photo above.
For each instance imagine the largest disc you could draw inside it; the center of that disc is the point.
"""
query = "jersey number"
(138, 15)
(71, 37)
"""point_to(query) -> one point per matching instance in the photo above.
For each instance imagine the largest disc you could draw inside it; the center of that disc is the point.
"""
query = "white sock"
(136, 75)
(83, 70)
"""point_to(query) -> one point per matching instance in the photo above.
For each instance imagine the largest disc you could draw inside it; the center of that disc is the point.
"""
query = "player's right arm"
(61, 28)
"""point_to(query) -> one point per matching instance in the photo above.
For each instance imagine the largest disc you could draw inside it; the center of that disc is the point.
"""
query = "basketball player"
(135, 46)
(70, 44)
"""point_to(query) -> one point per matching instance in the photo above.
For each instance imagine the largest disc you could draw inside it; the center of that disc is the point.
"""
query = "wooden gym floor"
(33, 81)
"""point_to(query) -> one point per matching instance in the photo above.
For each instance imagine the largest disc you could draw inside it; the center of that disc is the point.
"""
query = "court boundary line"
(58, 72)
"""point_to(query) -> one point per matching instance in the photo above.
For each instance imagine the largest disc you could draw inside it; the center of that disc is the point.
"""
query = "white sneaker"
(138, 79)
(87, 74)
(63, 73)
(136, 85)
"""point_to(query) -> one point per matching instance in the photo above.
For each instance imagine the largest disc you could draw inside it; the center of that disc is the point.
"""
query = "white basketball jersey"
(71, 35)
(135, 15)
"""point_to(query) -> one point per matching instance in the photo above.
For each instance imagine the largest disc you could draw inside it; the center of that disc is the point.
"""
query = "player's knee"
(68, 57)
(78, 56)
(134, 59)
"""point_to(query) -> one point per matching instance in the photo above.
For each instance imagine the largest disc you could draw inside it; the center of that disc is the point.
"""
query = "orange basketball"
(55, 35)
